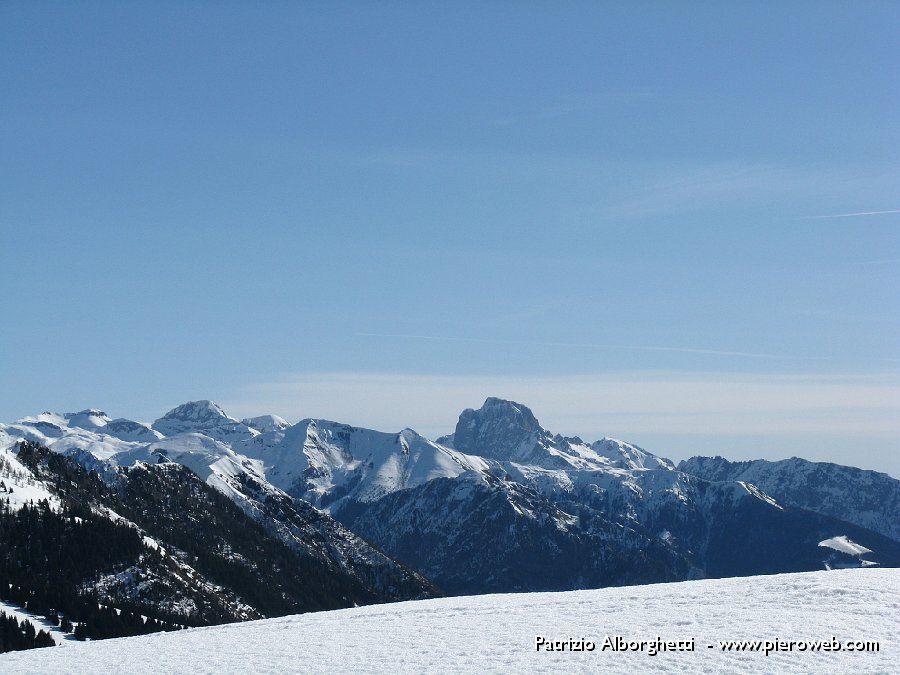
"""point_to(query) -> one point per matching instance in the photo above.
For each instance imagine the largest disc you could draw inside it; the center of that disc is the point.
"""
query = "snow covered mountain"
(828, 616)
(866, 498)
(327, 463)
(154, 540)
(545, 512)
(501, 504)
(480, 533)
(506, 431)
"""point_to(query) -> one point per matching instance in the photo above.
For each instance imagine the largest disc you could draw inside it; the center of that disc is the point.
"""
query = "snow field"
(19, 487)
(496, 633)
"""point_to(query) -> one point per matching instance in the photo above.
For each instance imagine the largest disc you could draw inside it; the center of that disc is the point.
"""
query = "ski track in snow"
(496, 633)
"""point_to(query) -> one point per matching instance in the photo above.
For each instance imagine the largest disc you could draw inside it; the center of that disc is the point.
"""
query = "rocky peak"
(500, 429)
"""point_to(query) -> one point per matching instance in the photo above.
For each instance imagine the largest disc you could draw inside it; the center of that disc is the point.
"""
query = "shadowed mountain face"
(502, 504)
(127, 550)
(866, 498)
(482, 534)
(500, 430)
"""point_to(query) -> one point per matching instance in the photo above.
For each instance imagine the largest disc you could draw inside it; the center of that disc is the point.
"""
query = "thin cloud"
(850, 419)
(858, 213)
(661, 190)
(587, 345)
(625, 404)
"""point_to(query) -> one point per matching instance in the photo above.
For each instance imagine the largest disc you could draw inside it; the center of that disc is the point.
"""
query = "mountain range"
(236, 519)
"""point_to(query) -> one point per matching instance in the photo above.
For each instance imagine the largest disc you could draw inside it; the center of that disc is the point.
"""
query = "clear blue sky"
(634, 216)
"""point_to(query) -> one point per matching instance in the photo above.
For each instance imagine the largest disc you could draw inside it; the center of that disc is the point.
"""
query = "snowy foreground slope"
(498, 632)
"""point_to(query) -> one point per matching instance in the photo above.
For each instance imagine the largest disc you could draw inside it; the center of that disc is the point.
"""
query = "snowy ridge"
(591, 507)
(264, 423)
(326, 462)
(866, 498)
(19, 487)
(756, 492)
(206, 417)
(496, 633)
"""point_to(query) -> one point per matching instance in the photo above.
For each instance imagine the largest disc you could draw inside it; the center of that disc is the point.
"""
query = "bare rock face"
(501, 430)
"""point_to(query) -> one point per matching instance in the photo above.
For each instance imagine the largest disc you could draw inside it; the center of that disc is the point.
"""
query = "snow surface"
(845, 545)
(19, 487)
(496, 633)
(265, 423)
(61, 638)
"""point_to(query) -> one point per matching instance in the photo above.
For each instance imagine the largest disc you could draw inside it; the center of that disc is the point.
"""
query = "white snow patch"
(845, 545)
(19, 486)
(759, 494)
(60, 637)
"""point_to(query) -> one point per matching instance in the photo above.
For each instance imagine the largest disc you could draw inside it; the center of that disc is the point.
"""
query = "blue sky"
(636, 218)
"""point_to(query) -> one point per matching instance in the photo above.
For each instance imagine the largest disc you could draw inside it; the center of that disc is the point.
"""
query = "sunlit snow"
(845, 545)
(496, 633)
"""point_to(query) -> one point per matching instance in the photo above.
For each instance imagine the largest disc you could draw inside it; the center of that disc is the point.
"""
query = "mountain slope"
(157, 540)
(866, 498)
(481, 534)
(501, 504)
(202, 441)
(326, 462)
(497, 633)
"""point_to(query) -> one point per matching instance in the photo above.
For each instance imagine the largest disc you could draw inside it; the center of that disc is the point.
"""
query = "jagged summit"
(92, 412)
(507, 431)
(500, 429)
(500, 407)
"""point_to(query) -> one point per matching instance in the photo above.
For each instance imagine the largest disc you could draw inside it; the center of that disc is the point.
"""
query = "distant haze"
(847, 419)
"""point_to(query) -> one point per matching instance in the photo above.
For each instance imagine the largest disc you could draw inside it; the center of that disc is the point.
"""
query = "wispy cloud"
(850, 419)
(624, 404)
(666, 190)
(857, 214)
(613, 190)
(587, 345)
